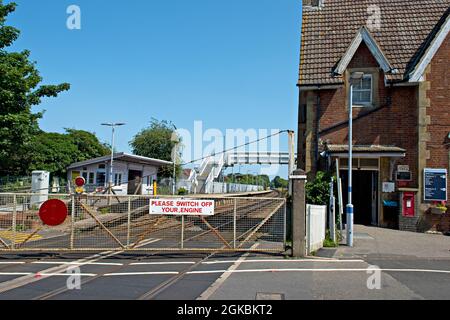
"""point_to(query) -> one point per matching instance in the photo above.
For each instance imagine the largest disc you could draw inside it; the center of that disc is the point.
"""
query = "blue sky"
(232, 64)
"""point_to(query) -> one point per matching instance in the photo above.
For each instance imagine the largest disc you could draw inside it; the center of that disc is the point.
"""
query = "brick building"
(400, 51)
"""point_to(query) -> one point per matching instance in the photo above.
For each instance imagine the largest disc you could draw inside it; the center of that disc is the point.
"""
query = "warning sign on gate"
(182, 207)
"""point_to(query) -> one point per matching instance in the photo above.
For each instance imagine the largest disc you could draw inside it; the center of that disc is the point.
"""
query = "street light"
(354, 77)
(113, 127)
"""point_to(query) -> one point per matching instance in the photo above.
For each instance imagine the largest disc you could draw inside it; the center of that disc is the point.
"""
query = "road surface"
(412, 266)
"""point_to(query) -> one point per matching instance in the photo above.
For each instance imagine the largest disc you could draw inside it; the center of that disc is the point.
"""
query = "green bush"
(328, 243)
(105, 210)
(182, 192)
(20, 227)
(15, 186)
(318, 191)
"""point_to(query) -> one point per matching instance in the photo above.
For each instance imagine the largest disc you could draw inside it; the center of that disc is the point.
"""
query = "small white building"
(131, 174)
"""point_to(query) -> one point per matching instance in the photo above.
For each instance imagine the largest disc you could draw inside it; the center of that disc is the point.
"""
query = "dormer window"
(363, 91)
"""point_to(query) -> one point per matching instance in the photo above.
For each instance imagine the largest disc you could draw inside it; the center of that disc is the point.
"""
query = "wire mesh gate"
(123, 223)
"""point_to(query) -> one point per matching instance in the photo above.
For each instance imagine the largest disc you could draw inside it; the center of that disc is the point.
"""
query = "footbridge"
(212, 166)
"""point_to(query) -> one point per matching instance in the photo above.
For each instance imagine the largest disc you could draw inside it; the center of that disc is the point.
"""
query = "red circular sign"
(79, 181)
(53, 212)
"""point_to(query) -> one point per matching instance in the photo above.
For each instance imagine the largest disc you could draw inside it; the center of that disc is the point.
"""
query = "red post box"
(408, 204)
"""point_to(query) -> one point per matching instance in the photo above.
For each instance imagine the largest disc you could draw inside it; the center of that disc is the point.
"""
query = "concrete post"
(333, 220)
(332, 212)
(291, 147)
(298, 214)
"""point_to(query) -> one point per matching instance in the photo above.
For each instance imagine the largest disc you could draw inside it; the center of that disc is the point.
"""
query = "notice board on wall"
(435, 185)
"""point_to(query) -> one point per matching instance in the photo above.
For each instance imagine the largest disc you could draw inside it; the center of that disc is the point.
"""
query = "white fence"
(315, 227)
(217, 187)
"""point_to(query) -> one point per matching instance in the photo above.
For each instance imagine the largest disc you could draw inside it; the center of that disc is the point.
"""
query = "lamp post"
(356, 76)
(113, 127)
(174, 159)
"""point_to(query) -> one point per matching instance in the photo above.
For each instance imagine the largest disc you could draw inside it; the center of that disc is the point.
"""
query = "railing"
(14, 184)
(124, 223)
(205, 163)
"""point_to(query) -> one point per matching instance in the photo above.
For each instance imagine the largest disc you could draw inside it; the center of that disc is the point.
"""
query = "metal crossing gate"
(123, 223)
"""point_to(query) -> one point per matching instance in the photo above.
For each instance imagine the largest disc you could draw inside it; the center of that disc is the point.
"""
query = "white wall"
(236, 188)
(219, 187)
(315, 227)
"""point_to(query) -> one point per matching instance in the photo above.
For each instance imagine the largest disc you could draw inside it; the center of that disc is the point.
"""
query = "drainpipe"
(317, 133)
(300, 136)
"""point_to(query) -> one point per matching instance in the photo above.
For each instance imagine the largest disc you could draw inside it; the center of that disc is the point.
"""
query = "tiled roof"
(327, 33)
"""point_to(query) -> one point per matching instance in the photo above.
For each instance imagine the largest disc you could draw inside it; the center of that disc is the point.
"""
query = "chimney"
(313, 3)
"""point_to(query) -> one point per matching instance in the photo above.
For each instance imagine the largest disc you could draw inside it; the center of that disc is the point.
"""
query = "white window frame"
(93, 178)
(364, 104)
(101, 171)
(118, 178)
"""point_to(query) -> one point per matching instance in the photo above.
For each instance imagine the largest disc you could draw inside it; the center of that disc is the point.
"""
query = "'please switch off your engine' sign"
(182, 207)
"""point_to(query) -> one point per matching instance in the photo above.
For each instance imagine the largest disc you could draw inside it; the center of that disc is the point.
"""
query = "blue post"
(350, 168)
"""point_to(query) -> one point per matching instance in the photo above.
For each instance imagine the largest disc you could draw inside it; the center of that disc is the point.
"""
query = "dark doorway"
(134, 181)
(365, 196)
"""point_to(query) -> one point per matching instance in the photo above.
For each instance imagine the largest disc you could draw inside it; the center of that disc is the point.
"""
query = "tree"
(263, 180)
(87, 144)
(260, 180)
(279, 182)
(158, 142)
(20, 89)
(54, 152)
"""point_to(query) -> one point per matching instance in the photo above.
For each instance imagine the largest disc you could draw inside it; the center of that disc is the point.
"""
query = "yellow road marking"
(18, 237)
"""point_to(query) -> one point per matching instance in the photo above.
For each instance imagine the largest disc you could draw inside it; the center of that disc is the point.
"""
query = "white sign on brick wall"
(388, 187)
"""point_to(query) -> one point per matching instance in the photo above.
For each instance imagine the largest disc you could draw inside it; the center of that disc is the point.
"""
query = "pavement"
(411, 266)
